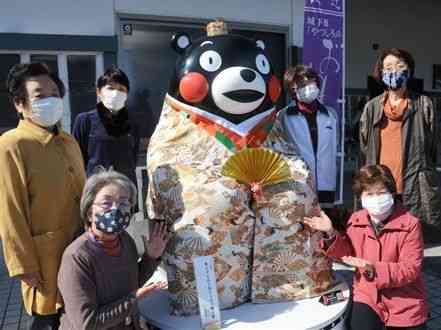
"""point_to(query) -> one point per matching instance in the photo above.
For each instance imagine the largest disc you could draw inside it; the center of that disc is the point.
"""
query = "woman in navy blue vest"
(107, 136)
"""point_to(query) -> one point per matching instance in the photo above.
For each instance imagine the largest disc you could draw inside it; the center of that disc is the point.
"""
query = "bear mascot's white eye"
(262, 64)
(210, 61)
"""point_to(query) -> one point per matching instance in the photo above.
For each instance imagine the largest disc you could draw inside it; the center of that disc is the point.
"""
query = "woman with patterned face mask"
(100, 278)
(108, 135)
(400, 129)
(313, 128)
(383, 241)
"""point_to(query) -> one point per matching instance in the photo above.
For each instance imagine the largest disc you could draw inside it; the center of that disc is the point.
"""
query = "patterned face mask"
(112, 221)
(395, 79)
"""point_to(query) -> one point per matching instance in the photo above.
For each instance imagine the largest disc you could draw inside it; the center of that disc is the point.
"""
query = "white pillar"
(64, 76)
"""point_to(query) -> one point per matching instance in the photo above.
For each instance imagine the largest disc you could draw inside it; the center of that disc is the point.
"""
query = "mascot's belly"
(261, 251)
(216, 220)
(288, 263)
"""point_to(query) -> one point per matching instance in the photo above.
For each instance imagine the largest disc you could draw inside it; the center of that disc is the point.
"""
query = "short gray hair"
(98, 181)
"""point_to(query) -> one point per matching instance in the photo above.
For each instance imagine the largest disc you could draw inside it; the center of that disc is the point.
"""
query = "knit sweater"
(98, 289)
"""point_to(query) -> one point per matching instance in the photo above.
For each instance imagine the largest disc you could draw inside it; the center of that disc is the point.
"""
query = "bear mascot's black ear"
(180, 42)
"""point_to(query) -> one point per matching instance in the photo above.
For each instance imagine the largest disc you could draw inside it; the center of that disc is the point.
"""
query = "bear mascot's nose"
(248, 75)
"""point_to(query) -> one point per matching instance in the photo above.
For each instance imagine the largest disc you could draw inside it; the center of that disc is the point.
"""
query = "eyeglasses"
(108, 204)
(397, 67)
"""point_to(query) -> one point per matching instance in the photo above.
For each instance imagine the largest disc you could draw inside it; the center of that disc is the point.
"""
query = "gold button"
(71, 169)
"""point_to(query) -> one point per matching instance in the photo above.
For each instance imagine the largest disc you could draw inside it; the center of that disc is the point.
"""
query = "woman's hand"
(366, 266)
(146, 290)
(356, 262)
(155, 246)
(321, 223)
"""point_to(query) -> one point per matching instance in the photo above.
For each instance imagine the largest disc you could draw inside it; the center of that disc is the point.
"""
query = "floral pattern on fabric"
(210, 214)
(288, 263)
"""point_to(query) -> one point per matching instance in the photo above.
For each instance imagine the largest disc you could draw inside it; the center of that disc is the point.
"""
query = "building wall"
(79, 17)
(97, 17)
(297, 18)
(409, 24)
(247, 11)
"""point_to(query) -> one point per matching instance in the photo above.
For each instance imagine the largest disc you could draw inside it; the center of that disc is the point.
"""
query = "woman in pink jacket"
(383, 241)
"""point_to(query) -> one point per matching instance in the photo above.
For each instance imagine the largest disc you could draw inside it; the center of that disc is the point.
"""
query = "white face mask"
(308, 94)
(113, 100)
(379, 207)
(46, 112)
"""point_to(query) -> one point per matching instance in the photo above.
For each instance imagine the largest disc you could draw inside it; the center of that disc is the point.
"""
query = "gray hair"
(98, 181)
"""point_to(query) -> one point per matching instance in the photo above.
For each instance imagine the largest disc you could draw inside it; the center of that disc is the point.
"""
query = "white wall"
(80, 17)
(97, 17)
(275, 12)
(408, 24)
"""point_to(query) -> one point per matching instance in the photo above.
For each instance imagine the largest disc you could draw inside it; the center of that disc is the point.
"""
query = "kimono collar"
(250, 133)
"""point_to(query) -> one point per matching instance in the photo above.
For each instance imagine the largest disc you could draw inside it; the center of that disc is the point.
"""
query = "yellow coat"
(41, 181)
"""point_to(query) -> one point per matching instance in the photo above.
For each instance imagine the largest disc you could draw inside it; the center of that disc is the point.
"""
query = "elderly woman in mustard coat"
(41, 179)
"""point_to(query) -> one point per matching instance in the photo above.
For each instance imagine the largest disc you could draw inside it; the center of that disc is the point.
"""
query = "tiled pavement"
(13, 317)
(432, 275)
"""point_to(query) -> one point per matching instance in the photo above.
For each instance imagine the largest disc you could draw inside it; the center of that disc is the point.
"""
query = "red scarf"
(395, 112)
(111, 247)
(308, 108)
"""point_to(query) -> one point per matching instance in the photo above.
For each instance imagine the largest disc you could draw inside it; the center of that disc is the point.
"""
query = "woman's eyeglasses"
(108, 204)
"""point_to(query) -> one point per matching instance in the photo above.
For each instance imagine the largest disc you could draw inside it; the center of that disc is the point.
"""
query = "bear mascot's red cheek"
(275, 89)
(193, 87)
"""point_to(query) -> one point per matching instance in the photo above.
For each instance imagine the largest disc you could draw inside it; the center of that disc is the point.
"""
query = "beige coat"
(41, 180)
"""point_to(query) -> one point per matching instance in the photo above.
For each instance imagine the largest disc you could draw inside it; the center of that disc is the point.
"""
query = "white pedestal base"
(307, 314)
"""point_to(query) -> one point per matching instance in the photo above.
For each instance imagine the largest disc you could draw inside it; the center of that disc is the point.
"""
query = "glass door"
(78, 71)
(8, 115)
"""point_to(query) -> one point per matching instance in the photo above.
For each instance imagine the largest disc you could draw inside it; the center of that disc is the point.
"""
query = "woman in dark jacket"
(399, 129)
(107, 135)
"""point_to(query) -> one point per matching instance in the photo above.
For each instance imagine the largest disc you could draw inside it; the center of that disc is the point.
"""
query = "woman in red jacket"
(384, 242)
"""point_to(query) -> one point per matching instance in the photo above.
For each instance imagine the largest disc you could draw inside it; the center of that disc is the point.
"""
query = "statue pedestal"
(306, 314)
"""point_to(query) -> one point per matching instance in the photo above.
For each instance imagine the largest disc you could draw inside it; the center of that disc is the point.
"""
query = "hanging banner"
(323, 47)
(323, 50)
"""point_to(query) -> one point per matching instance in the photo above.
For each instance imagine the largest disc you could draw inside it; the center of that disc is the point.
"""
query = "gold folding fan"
(257, 167)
